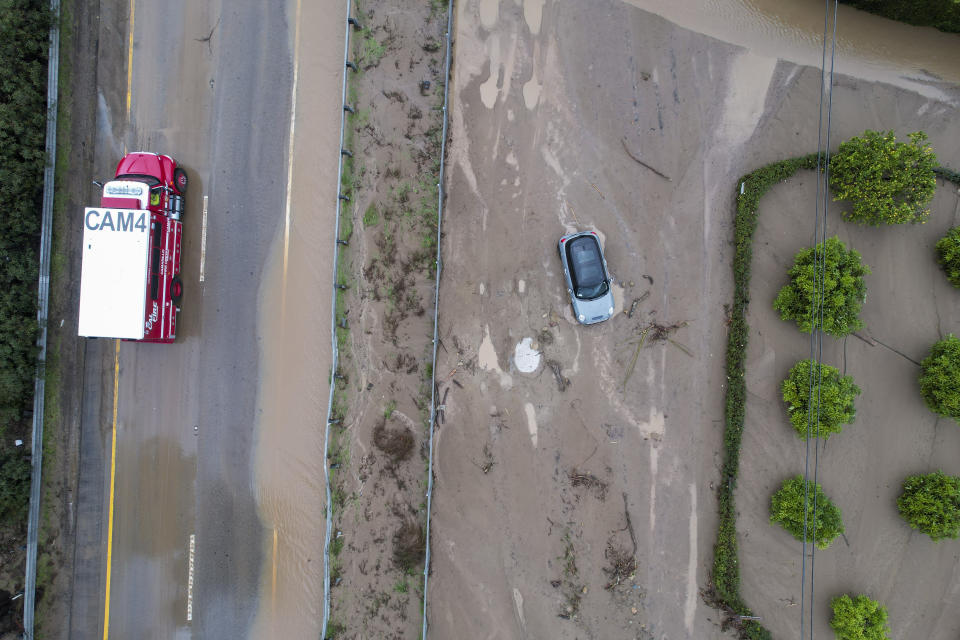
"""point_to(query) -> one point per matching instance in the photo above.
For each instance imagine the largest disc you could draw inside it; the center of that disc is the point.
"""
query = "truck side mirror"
(98, 183)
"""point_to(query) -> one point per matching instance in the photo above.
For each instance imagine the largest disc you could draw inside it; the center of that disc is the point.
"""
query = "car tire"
(180, 180)
(176, 289)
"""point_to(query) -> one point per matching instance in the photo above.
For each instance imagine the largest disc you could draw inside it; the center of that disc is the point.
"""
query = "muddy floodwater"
(295, 347)
(869, 47)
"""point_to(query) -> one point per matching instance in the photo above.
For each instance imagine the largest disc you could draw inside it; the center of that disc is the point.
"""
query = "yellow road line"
(113, 476)
(130, 57)
(273, 591)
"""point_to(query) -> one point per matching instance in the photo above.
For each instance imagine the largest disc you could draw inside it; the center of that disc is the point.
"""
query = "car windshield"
(586, 268)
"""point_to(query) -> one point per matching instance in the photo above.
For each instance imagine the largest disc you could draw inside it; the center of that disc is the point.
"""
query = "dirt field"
(378, 450)
(544, 479)
(909, 306)
(564, 117)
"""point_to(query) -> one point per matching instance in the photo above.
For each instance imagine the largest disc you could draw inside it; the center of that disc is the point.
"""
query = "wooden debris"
(636, 301)
(562, 382)
(641, 162)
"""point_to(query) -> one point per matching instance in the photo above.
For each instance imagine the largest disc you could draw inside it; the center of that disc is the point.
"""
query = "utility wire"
(816, 315)
(826, 200)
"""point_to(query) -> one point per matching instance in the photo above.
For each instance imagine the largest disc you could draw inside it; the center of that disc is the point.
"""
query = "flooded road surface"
(293, 330)
(868, 47)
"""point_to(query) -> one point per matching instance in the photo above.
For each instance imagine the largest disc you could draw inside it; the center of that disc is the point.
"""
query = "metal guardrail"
(43, 304)
(333, 336)
(436, 311)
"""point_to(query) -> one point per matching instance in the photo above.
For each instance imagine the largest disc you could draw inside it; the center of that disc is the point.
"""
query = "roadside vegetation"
(835, 391)
(24, 34)
(939, 14)
(912, 169)
(930, 503)
(842, 286)
(24, 41)
(787, 510)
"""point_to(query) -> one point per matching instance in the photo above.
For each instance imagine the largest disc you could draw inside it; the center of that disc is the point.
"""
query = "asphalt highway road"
(178, 549)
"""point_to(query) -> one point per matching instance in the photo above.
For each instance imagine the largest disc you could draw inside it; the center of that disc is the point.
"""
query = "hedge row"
(726, 568)
(948, 174)
(24, 41)
(941, 14)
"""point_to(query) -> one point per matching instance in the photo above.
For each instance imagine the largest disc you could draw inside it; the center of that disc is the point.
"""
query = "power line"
(816, 314)
(826, 200)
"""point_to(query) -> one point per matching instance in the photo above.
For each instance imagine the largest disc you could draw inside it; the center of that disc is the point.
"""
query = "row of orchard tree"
(886, 182)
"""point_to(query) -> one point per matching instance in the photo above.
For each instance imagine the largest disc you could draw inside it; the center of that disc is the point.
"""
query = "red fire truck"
(130, 286)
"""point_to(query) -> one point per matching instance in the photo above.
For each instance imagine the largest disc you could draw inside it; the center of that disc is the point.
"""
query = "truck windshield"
(139, 177)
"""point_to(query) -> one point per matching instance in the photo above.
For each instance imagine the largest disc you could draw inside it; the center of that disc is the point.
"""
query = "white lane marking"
(293, 124)
(654, 457)
(203, 240)
(691, 605)
(193, 546)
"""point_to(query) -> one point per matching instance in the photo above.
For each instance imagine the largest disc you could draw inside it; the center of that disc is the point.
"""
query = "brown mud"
(601, 116)
(378, 448)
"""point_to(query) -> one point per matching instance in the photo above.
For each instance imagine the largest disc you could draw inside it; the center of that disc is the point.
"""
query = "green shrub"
(14, 486)
(948, 255)
(931, 504)
(371, 217)
(886, 181)
(940, 14)
(859, 618)
(844, 289)
(940, 378)
(836, 393)
(787, 510)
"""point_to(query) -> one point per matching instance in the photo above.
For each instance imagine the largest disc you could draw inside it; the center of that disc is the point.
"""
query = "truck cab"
(130, 285)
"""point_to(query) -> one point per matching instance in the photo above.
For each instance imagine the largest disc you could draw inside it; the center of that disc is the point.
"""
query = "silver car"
(588, 281)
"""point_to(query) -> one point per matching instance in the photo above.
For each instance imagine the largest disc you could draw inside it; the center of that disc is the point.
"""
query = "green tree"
(24, 42)
(886, 181)
(948, 255)
(786, 509)
(836, 393)
(940, 378)
(859, 618)
(843, 286)
(931, 504)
